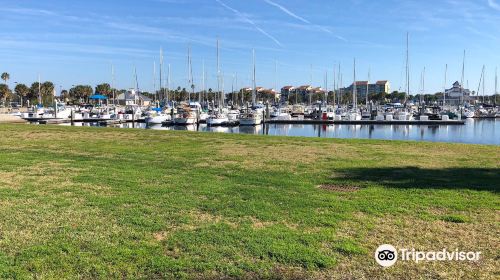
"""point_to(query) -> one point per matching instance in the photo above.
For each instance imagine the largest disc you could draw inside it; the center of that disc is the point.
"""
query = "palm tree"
(22, 91)
(5, 77)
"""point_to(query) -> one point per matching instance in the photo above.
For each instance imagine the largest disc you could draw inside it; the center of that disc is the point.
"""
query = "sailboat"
(366, 114)
(218, 117)
(404, 114)
(252, 117)
(188, 113)
(353, 114)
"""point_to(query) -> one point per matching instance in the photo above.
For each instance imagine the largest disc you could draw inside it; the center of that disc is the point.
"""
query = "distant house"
(133, 97)
(304, 90)
(318, 90)
(286, 91)
(456, 95)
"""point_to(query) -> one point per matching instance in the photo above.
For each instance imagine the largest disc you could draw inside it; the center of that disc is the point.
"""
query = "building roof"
(361, 83)
(304, 87)
(382, 82)
(287, 88)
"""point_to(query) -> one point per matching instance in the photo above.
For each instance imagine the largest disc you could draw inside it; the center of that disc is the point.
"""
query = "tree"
(22, 91)
(5, 92)
(104, 89)
(81, 92)
(5, 77)
(47, 90)
(64, 95)
(34, 92)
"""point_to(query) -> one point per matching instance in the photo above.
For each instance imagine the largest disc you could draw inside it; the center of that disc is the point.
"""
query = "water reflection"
(474, 131)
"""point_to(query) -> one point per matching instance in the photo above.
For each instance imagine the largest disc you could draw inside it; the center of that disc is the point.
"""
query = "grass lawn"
(116, 203)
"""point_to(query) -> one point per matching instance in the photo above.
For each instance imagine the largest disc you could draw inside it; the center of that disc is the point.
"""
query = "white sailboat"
(353, 114)
(366, 114)
(252, 117)
(403, 114)
(218, 116)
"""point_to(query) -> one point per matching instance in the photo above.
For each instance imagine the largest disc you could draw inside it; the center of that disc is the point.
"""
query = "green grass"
(115, 203)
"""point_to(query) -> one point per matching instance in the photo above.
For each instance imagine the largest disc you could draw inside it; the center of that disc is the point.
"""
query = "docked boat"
(250, 118)
(157, 117)
(217, 119)
(403, 115)
(187, 114)
(281, 114)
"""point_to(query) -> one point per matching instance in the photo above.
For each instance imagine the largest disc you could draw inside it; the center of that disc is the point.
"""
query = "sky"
(295, 41)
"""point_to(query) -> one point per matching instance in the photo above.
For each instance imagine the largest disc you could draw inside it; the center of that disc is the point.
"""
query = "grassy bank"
(117, 203)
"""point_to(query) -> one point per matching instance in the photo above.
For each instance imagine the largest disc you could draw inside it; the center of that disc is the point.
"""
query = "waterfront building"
(376, 88)
(133, 97)
(457, 95)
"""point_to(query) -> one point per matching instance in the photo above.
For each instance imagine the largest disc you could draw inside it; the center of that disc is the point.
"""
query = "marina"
(485, 131)
(226, 139)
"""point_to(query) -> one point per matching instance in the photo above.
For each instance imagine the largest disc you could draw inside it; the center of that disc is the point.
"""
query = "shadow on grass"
(414, 177)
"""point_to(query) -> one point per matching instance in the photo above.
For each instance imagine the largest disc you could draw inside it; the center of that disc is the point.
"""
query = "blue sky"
(75, 42)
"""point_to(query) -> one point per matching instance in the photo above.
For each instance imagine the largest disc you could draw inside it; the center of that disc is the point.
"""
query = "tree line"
(44, 93)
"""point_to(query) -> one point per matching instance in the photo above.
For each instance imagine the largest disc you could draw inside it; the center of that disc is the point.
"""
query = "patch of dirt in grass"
(339, 188)
(9, 180)
(258, 224)
(197, 219)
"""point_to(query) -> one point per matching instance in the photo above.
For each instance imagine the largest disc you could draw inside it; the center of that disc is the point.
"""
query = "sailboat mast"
(423, 85)
(340, 86)
(368, 87)
(168, 82)
(310, 95)
(407, 67)
(484, 79)
(254, 87)
(445, 81)
(334, 85)
(275, 75)
(136, 79)
(39, 90)
(202, 94)
(496, 84)
(189, 74)
(154, 81)
(218, 74)
(355, 90)
(161, 75)
(462, 81)
(113, 82)
(326, 87)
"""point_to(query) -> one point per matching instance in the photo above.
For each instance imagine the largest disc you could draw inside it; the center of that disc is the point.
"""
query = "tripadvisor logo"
(387, 255)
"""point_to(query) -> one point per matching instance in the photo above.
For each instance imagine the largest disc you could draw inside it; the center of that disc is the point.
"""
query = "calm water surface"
(474, 131)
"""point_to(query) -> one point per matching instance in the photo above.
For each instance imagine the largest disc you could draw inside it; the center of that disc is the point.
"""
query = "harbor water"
(475, 131)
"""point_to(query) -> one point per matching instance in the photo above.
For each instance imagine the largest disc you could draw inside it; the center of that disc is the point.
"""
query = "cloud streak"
(246, 19)
(287, 11)
(295, 16)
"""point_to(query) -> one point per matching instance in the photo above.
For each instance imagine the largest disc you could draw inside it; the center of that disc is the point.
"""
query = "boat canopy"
(98, 97)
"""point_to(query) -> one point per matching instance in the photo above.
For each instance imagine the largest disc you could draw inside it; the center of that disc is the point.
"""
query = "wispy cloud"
(494, 5)
(30, 12)
(294, 15)
(287, 11)
(246, 19)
